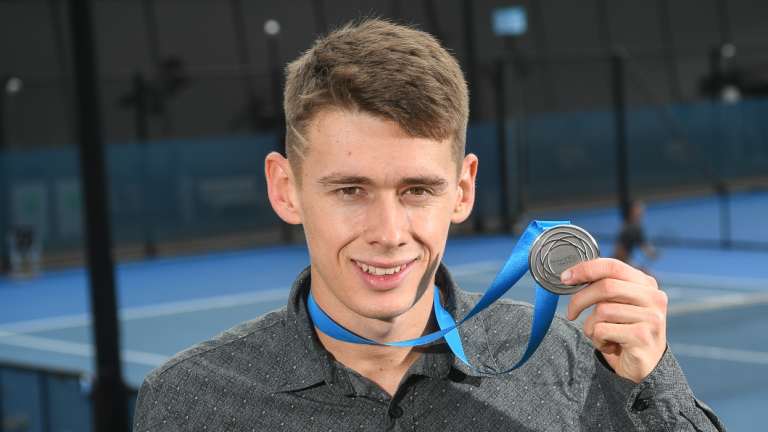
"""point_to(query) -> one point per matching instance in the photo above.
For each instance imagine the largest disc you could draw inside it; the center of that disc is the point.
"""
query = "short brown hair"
(385, 69)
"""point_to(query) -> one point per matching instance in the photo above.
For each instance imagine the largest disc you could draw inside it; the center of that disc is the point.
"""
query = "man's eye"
(350, 192)
(418, 191)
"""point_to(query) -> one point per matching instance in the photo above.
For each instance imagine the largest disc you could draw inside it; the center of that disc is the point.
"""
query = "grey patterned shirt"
(273, 374)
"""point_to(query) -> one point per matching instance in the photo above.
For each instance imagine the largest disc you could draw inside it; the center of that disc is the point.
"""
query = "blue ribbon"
(514, 269)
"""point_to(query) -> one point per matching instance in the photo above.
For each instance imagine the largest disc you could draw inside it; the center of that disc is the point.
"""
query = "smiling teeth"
(377, 271)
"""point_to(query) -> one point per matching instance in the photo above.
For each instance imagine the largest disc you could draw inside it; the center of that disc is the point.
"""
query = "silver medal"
(556, 250)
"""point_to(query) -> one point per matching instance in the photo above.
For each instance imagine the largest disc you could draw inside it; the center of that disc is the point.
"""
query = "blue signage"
(510, 21)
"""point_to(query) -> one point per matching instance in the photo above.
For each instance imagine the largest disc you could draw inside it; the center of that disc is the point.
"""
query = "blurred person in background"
(632, 238)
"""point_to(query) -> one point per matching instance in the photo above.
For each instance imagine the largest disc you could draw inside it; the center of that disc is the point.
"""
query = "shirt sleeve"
(662, 402)
(151, 415)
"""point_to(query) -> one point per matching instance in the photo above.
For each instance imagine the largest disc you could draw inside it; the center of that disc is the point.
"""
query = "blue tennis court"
(718, 321)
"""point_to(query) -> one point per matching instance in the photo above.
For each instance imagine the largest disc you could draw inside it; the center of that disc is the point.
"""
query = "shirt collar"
(310, 364)
(473, 334)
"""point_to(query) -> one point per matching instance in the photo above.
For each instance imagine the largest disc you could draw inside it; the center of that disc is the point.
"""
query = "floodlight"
(13, 85)
(272, 27)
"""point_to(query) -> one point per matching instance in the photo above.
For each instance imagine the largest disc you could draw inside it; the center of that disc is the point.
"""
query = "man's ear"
(282, 188)
(466, 197)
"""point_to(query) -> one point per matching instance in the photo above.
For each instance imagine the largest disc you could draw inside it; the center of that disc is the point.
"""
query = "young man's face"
(376, 205)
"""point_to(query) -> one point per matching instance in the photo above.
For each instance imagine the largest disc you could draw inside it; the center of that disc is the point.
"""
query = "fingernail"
(566, 275)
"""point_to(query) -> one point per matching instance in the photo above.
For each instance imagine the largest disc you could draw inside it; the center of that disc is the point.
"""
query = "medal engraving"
(557, 249)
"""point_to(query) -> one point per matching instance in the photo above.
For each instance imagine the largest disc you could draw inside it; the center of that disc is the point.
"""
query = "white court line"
(9, 332)
(77, 349)
(717, 353)
(713, 281)
(728, 301)
(196, 305)
(163, 309)
(679, 293)
(463, 270)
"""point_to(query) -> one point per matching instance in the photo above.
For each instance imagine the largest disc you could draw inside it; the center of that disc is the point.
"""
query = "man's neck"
(384, 365)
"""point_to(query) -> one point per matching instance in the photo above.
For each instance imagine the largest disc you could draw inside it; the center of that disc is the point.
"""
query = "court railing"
(43, 399)
(209, 193)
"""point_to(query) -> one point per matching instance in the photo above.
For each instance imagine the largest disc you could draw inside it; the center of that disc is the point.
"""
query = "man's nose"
(388, 223)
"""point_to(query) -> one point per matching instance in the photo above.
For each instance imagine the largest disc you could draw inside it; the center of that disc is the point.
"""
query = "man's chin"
(388, 306)
(385, 314)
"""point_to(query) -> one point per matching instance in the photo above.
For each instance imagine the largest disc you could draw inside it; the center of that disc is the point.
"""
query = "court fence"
(181, 191)
(36, 399)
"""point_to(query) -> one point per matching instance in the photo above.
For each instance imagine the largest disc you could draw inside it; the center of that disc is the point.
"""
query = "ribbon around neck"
(511, 272)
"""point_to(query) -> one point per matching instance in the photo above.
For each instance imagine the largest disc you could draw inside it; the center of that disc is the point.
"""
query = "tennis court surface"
(718, 321)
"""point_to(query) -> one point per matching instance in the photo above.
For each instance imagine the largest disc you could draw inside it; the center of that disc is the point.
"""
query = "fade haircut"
(388, 70)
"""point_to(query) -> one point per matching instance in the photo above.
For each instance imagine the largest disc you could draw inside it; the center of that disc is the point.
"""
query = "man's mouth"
(383, 269)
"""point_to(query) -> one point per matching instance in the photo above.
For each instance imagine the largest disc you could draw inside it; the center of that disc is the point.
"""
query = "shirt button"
(395, 412)
(641, 404)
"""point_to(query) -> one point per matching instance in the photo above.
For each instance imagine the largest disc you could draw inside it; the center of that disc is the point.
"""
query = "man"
(376, 174)
(632, 236)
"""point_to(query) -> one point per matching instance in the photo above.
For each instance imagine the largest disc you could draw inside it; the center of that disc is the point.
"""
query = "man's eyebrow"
(336, 179)
(343, 179)
(433, 181)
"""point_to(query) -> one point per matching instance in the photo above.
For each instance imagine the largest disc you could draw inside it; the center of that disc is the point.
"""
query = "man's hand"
(629, 322)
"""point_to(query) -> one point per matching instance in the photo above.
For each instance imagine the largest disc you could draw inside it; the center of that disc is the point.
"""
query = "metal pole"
(2, 412)
(725, 214)
(542, 48)
(717, 73)
(470, 57)
(478, 219)
(141, 114)
(522, 154)
(724, 22)
(521, 133)
(2, 113)
(395, 9)
(10, 86)
(430, 10)
(318, 11)
(110, 407)
(620, 122)
(45, 405)
(244, 63)
(273, 59)
(59, 39)
(603, 27)
(153, 39)
(141, 123)
(501, 139)
(5, 258)
(670, 52)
